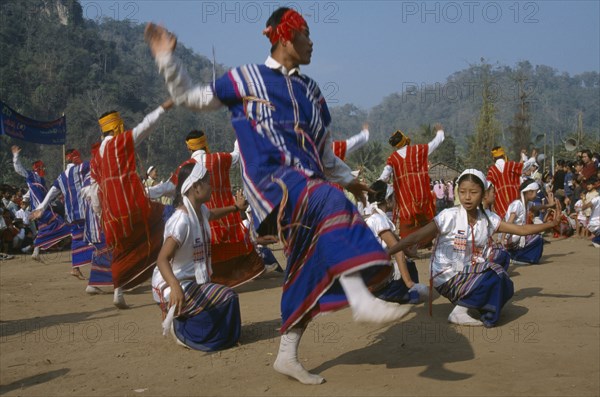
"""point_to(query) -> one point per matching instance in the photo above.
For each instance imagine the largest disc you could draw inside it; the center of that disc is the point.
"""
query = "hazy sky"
(366, 50)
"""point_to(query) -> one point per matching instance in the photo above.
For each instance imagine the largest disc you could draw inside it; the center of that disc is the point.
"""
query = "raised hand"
(159, 39)
(168, 104)
(15, 149)
(240, 200)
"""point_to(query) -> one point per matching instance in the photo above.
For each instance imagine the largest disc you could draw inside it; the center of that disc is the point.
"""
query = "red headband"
(291, 22)
(38, 167)
(74, 157)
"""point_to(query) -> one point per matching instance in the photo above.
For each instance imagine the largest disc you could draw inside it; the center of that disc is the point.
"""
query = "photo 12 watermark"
(117, 10)
(38, 331)
(465, 91)
(470, 11)
(259, 11)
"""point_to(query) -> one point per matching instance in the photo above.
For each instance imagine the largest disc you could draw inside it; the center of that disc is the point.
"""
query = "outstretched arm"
(162, 189)
(51, 195)
(427, 232)
(240, 205)
(439, 138)
(390, 239)
(338, 172)
(335, 169)
(357, 141)
(524, 230)
(143, 129)
(19, 169)
(162, 43)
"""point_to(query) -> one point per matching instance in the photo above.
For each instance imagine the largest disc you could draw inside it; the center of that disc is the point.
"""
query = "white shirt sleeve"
(494, 219)
(181, 88)
(335, 169)
(162, 189)
(357, 141)
(235, 155)
(143, 129)
(513, 208)
(386, 173)
(51, 195)
(178, 228)
(439, 138)
(378, 224)
(445, 220)
(18, 166)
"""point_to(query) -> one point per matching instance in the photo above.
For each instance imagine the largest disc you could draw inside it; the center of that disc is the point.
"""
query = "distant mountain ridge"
(54, 61)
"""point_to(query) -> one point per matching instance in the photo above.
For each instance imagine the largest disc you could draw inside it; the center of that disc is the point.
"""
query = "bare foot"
(77, 273)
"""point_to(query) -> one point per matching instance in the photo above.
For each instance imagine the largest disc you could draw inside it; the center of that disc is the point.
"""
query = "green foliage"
(54, 61)
(60, 63)
(554, 102)
(370, 159)
(488, 129)
(521, 128)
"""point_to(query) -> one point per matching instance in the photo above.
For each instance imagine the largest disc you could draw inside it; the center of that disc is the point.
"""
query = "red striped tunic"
(122, 196)
(132, 224)
(506, 185)
(415, 205)
(339, 149)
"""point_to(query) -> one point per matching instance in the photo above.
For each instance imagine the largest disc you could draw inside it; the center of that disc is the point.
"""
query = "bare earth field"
(55, 340)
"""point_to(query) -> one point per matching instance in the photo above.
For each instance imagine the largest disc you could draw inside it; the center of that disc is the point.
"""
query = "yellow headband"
(111, 123)
(498, 152)
(197, 143)
(404, 140)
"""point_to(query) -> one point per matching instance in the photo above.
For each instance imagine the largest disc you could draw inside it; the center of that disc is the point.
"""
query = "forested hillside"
(53, 60)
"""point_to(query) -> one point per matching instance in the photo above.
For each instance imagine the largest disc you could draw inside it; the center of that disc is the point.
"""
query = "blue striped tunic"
(281, 126)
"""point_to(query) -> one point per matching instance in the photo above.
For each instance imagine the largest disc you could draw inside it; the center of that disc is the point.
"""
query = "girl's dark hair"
(184, 172)
(380, 188)
(274, 21)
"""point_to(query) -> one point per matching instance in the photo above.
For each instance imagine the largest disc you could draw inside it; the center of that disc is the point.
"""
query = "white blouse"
(378, 222)
(192, 258)
(454, 247)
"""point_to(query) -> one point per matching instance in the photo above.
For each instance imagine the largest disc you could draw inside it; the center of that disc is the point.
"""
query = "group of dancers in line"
(293, 174)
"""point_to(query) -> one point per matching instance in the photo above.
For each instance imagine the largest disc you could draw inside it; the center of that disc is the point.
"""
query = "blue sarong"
(324, 237)
(211, 318)
(397, 291)
(531, 252)
(81, 250)
(51, 230)
(485, 287)
(101, 273)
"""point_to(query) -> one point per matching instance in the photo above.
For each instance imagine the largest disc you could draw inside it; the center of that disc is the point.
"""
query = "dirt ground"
(56, 340)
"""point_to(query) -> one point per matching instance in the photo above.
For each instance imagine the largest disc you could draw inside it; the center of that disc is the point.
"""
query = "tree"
(488, 129)
(370, 159)
(520, 130)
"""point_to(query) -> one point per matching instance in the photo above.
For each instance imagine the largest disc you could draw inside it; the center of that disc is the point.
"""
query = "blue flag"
(18, 126)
